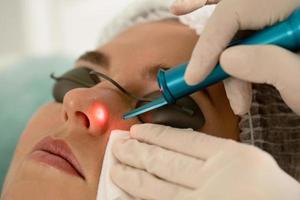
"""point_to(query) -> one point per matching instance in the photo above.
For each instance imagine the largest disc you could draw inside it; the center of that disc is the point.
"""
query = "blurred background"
(38, 37)
(45, 27)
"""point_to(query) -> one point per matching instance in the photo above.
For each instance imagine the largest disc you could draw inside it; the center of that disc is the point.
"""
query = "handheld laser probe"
(285, 34)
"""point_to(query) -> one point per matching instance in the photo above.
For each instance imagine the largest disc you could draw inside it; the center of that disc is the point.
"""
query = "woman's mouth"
(57, 153)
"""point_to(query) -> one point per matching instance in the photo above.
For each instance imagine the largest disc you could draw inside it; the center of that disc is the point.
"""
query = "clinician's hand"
(259, 64)
(164, 163)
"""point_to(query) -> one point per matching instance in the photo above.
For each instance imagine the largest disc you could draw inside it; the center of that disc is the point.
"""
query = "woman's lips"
(58, 154)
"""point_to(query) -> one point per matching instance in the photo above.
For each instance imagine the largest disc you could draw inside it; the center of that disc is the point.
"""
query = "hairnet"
(143, 11)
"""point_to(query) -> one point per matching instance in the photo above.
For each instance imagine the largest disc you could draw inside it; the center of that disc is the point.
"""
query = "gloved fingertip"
(239, 105)
(232, 57)
(226, 56)
(176, 9)
(239, 94)
(240, 111)
(181, 7)
(193, 75)
(137, 129)
(117, 146)
(190, 80)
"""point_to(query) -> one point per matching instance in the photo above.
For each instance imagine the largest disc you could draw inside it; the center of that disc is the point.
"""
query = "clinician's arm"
(160, 163)
(259, 64)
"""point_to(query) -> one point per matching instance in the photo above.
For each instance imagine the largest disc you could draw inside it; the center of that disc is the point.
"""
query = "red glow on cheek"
(100, 114)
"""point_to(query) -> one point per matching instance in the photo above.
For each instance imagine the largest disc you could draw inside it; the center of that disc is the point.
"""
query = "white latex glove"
(259, 64)
(164, 163)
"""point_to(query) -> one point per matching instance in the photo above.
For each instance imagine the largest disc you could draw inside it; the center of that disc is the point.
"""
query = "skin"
(138, 50)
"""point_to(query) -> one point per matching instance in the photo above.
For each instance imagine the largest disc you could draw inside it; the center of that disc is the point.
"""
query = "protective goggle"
(185, 113)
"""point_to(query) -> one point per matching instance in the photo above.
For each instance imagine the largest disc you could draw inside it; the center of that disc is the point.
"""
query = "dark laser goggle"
(184, 113)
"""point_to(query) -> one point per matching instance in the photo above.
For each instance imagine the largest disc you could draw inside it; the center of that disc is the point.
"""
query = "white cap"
(143, 11)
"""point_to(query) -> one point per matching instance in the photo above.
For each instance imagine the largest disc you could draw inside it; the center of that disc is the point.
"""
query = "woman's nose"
(93, 109)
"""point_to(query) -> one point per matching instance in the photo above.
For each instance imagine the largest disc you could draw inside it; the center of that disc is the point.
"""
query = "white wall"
(11, 20)
(43, 27)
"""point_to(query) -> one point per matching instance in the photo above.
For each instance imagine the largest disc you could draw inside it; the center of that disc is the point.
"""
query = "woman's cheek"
(44, 120)
(40, 125)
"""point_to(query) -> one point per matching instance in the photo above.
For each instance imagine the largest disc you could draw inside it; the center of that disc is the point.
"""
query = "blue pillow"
(24, 87)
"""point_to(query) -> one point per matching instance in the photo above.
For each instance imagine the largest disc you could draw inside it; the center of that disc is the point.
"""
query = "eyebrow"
(102, 60)
(96, 57)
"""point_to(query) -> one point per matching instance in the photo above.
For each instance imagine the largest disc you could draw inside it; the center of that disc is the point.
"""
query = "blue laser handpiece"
(285, 34)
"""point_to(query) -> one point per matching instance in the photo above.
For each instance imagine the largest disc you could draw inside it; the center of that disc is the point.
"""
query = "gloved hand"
(259, 64)
(181, 7)
(164, 163)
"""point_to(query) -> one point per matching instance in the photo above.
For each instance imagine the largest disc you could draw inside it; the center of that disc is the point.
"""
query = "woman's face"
(60, 153)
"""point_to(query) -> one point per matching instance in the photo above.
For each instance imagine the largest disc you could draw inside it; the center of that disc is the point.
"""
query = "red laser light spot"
(101, 114)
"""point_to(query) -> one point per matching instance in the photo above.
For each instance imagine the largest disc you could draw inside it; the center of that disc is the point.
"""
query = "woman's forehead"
(151, 34)
(163, 42)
